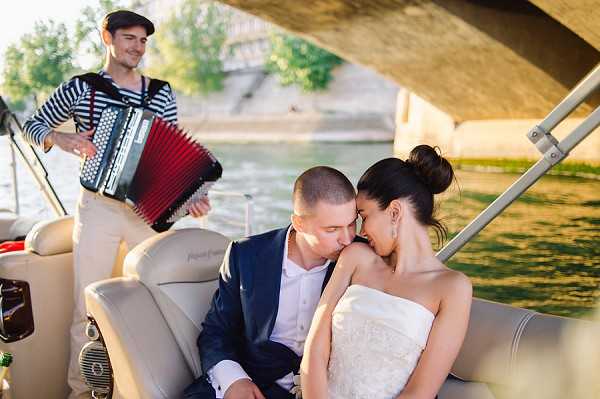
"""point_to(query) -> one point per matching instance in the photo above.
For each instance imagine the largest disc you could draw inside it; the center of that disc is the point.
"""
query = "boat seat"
(151, 317)
(517, 352)
(46, 266)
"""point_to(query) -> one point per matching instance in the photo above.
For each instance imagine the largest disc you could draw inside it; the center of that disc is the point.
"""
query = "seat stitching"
(517, 339)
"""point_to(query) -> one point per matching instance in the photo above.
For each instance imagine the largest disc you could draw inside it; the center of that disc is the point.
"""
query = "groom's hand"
(243, 389)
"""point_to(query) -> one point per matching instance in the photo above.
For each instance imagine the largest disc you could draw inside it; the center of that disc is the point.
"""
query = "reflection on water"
(543, 253)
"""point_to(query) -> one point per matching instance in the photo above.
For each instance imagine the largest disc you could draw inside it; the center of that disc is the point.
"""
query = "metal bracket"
(547, 144)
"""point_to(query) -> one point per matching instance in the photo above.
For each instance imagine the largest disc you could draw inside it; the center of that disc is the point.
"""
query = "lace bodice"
(377, 340)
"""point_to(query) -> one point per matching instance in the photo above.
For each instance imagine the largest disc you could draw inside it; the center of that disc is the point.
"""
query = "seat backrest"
(503, 342)
(51, 237)
(46, 266)
(180, 268)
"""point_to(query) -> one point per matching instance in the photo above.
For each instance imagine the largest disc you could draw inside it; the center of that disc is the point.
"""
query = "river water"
(542, 253)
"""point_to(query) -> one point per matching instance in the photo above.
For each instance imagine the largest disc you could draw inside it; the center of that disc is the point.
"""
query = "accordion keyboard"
(91, 166)
(118, 162)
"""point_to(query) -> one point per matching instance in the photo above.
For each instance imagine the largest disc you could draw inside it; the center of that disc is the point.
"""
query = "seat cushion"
(180, 268)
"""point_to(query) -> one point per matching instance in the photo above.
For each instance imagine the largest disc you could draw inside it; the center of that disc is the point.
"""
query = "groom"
(270, 284)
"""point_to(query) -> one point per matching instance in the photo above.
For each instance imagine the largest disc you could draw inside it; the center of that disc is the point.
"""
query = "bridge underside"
(472, 59)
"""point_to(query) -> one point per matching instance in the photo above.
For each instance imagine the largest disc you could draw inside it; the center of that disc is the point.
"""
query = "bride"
(392, 318)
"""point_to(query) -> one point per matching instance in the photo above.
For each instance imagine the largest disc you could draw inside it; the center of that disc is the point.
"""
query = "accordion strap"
(99, 83)
(154, 88)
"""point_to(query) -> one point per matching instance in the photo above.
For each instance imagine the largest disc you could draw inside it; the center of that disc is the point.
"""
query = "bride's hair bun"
(431, 168)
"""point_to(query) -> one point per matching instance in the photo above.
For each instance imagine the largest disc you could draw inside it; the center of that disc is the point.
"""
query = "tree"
(297, 61)
(187, 47)
(87, 30)
(13, 86)
(38, 64)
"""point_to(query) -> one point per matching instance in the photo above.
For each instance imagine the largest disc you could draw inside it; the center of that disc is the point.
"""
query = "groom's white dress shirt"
(298, 299)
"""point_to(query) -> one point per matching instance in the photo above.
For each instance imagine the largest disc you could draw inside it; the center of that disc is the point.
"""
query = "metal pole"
(15, 185)
(551, 157)
(40, 176)
(248, 209)
(35, 166)
(249, 215)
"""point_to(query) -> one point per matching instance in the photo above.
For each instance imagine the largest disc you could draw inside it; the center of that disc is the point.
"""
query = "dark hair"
(322, 183)
(422, 175)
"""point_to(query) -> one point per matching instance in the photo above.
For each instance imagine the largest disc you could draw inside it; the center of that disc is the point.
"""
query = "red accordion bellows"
(171, 161)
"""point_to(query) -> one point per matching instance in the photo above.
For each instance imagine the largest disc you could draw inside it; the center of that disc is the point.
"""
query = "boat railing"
(248, 224)
(552, 152)
(11, 128)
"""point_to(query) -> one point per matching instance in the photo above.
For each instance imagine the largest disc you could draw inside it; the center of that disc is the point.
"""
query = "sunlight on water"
(543, 253)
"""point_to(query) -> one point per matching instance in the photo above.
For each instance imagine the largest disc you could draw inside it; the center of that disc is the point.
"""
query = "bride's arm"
(444, 342)
(318, 342)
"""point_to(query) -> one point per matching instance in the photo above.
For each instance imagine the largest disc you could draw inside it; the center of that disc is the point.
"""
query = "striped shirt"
(72, 100)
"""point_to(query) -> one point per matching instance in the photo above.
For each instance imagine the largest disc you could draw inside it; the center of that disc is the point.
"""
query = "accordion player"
(151, 165)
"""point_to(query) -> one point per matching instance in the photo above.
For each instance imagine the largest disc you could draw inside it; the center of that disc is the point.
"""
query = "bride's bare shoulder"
(358, 253)
(359, 249)
(454, 284)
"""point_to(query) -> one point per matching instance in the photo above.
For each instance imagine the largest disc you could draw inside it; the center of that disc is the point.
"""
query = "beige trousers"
(101, 224)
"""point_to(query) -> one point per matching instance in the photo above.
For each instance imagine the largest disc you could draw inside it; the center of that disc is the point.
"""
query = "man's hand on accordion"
(200, 207)
(79, 144)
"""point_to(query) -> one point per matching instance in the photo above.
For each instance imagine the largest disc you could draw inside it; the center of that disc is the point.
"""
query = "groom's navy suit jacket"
(243, 312)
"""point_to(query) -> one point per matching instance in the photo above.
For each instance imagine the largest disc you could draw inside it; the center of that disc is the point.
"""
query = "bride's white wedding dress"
(377, 340)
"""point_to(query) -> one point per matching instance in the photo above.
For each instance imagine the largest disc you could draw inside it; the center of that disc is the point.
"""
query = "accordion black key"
(150, 164)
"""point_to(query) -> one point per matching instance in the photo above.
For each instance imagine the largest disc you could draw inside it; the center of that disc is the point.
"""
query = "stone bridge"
(469, 65)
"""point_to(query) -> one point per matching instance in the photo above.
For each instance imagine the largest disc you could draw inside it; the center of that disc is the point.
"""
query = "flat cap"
(125, 19)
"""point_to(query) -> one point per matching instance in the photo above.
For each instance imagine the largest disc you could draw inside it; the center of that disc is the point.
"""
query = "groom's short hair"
(322, 183)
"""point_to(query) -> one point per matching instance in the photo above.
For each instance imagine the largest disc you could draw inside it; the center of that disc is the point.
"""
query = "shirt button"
(302, 328)
(304, 302)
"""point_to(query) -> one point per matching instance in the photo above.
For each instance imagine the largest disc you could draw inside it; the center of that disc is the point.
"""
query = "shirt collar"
(290, 268)
(106, 75)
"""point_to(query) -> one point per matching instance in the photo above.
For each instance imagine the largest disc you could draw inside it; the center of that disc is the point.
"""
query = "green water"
(542, 253)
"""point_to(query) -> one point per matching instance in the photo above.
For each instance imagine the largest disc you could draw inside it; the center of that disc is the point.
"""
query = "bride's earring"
(394, 232)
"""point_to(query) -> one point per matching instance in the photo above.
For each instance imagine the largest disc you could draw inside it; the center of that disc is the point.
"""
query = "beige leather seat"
(40, 360)
(151, 317)
(150, 320)
(46, 265)
(517, 353)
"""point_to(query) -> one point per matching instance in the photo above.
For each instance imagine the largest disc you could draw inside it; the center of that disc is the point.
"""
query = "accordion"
(151, 165)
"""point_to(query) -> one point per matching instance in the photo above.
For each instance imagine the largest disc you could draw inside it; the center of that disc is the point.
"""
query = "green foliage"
(13, 86)
(188, 45)
(297, 61)
(37, 64)
(87, 30)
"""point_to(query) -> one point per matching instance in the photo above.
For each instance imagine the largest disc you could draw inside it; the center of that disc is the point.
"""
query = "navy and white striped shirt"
(72, 100)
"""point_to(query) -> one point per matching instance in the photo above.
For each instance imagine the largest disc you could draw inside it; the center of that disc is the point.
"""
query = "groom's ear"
(296, 222)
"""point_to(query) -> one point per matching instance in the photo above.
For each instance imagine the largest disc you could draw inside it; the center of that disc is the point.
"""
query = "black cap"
(125, 19)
